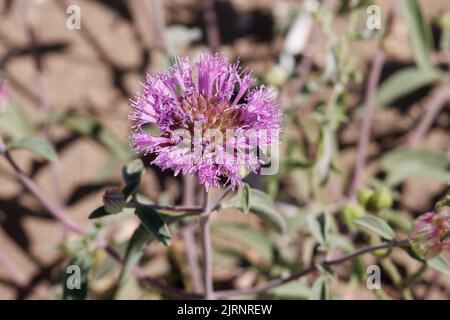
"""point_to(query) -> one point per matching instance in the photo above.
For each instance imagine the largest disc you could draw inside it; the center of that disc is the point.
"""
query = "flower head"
(211, 121)
(429, 234)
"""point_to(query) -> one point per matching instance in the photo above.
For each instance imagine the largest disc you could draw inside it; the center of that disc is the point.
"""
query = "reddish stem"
(364, 136)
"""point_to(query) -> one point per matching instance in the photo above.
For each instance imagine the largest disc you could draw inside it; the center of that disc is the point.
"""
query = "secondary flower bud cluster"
(430, 234)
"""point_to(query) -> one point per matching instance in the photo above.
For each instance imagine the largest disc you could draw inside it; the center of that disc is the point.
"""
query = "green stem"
(408, 282)
(396, 277)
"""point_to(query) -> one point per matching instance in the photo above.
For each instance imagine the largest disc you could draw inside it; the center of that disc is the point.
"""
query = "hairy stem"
(187, 232)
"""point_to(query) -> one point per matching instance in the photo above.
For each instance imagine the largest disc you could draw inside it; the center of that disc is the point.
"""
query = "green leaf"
(15, 123)
(135, 249)
(319, 290)
(245, 191)
(262, 206)
(35, 145)
(403, 82)
(241, 200)
(99, 213)
(376, 225)
(419, 30)
(136, 246)
(397, 219)
(440, 264)
(402, 164)
(132, 173)
(258, 203)
(154, 224)
(130, 189)
(75, 278)
(248, 241)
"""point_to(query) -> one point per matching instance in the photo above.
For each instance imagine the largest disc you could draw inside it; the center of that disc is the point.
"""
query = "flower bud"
(380, 253)
(364, 195)
(351, 212)
(276, 76)
(113, 200)
(429, 235)
(381, 199)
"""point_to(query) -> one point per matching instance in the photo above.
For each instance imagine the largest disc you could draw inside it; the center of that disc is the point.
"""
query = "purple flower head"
(429, 234)
(211, 122)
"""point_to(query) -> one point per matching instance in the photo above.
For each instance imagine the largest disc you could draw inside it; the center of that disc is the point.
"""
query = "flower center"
(212, 114)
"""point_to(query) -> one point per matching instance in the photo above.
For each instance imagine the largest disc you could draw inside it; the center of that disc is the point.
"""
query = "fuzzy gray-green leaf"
(154, 224)
(35, 145)
(377, 225)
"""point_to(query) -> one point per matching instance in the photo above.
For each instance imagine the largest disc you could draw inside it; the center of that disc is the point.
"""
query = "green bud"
(381, 199)
(351, 212)
(364, 195)
(113, 201)
(380, 253)
(444, 21)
